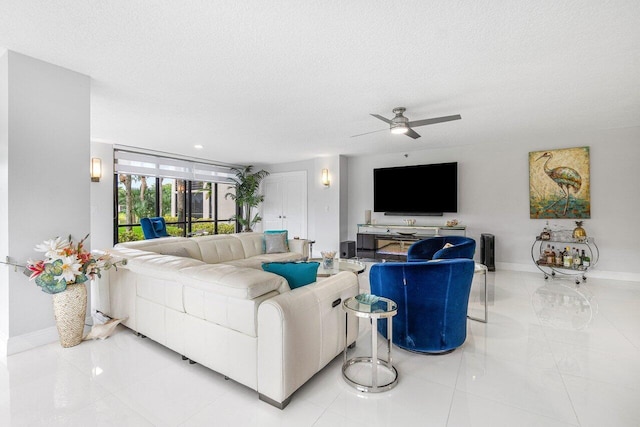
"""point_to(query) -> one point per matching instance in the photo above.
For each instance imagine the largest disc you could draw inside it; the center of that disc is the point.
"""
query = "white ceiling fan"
(400, 124)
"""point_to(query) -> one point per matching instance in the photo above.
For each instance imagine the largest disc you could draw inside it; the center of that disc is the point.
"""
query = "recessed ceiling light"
(198, 147)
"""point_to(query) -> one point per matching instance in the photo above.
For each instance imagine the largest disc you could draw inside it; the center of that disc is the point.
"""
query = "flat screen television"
(416, 190)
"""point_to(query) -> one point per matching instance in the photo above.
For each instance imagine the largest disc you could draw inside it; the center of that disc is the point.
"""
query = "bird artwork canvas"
(559, 183)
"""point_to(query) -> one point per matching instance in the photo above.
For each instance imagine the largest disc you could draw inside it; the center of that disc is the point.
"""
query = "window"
(189, 195)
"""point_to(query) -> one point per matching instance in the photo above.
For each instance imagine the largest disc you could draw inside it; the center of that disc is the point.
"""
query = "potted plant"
(247, 184)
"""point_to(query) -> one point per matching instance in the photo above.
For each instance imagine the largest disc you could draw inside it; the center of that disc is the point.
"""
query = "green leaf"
(55, 287)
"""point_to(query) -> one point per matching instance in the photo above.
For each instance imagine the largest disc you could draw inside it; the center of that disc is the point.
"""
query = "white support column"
(44, 183)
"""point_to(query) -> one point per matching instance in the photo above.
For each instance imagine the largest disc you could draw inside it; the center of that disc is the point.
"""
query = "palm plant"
(247, 184)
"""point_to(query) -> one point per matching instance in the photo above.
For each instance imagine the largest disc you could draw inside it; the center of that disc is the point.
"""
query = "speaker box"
(367, 217)
(487, 251)
(347, 249)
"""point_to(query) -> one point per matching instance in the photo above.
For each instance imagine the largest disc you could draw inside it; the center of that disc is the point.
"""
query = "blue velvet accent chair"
(433, 248)
(432, 298)
(154, 227)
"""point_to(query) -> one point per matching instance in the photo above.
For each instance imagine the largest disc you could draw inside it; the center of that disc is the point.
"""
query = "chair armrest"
(424, 250)
(461, 250)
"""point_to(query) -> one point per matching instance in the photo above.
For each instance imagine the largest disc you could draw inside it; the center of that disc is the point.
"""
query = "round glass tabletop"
(339, 265)
(370, 306)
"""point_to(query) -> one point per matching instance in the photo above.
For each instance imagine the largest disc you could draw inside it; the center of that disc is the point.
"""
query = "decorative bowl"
(367, 299)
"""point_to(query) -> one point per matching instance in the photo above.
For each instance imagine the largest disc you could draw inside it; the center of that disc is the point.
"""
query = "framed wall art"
(559, 183)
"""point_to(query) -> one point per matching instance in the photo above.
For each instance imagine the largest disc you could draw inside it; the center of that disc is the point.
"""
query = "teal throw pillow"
(297, 274)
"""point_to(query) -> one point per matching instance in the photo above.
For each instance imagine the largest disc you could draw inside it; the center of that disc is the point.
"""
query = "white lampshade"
(96, 169)
(325, 177)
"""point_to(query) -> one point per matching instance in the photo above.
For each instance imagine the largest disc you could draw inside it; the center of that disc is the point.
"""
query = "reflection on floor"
(552, 354)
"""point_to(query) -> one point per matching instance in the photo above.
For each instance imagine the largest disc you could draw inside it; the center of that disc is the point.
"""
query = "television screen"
(421, 189)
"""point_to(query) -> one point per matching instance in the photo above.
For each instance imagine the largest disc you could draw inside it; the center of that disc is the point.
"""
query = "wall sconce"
(325, 177)
(96, 169)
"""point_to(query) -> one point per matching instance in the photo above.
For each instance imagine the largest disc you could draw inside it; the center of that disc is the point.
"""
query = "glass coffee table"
(370, 374)
(339, 265)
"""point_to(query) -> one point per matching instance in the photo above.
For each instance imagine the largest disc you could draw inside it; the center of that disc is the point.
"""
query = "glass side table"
(339, 265)
(482, 269)
(383, 376)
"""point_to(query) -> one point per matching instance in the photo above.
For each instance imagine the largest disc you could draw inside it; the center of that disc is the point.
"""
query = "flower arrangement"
(67, 263)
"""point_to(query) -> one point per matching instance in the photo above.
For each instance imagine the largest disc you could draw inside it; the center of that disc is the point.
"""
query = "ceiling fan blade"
(412, 133)
(434, 120)
(367, 133)
(381, 118)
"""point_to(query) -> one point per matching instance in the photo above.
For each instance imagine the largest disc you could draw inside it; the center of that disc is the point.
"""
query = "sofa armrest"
(299, 246)
(300, 331)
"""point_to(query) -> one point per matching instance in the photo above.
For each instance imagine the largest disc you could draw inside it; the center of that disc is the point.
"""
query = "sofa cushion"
(297, 273)
(166, 246)
(220, 248)
(257, 261)
(275, 243)
(160, 266)
(232, 281)
(252, 243)
(178, 251)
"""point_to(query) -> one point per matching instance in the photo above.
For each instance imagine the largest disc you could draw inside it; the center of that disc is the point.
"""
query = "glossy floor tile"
(552, 354)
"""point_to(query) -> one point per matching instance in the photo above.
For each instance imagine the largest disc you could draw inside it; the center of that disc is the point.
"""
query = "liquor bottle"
(543, 258)
(547, 255)
(559, 256)
(586, 261)
(567, 258)
(576, 259)
(546, 232)
(552, 256)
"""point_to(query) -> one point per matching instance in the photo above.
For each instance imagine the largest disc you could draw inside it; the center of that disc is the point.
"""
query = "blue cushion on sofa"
(158, 225)
(297, 273)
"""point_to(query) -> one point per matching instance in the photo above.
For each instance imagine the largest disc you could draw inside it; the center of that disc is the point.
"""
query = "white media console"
(390, 242)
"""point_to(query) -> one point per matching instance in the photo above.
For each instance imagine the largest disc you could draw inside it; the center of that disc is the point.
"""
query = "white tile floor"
(549, 356)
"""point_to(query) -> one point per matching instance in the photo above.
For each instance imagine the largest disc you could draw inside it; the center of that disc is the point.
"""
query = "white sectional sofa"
(208, 299)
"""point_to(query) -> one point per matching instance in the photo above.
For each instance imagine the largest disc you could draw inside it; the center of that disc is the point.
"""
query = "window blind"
(132, 163)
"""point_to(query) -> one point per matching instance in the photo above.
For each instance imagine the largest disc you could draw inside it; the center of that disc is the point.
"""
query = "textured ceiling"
(269, 82)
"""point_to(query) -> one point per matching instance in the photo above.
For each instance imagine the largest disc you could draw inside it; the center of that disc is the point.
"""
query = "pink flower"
(36, 267)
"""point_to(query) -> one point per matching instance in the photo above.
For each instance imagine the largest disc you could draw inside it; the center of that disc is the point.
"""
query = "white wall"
(323, 203)
(344, 198)
(493, 195)
(45, 174)
(102, 199)
(4, 196)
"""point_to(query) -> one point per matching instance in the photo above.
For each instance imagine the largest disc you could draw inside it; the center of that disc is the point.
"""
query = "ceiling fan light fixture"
(400, 128)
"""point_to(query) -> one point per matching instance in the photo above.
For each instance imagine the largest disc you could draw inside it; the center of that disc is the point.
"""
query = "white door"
(272, 204)
(285, 203)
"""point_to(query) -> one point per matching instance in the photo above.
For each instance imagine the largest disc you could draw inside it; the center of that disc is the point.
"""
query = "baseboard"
(13, 345)
(595, 273)
(31, 340)
(511, 266)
